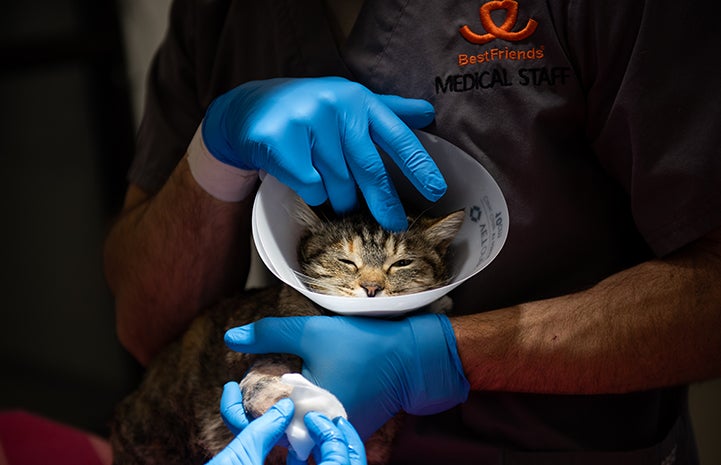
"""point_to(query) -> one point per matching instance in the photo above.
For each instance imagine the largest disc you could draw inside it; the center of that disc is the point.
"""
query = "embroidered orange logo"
(504, 30)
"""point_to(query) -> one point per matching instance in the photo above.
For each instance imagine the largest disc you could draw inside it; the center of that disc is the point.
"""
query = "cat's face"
(354, 256)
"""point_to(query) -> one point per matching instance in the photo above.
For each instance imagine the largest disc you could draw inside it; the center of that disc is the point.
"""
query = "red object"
(27, 439)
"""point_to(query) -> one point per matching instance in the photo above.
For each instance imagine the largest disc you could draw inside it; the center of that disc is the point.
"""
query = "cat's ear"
(441, 231)
(305, 216)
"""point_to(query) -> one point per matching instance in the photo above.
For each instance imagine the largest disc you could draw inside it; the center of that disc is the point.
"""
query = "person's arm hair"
(653, 325)
(171, 254)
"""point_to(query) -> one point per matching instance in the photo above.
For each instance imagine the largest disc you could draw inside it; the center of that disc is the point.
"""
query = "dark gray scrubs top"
(599, 120)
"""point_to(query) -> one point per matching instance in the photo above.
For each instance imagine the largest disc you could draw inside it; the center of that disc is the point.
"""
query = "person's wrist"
(220, 180)
(440, 370)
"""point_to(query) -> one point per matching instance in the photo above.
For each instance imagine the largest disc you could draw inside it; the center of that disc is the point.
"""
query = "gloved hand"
(231, 408)
(316, 136)
(337, 442)
(253, 444)
(375, 367)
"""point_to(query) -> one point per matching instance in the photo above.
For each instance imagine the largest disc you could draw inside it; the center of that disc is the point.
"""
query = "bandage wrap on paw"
(308, 397)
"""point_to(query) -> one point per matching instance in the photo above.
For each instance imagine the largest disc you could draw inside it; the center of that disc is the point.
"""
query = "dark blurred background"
(66, 138)
(71, 89)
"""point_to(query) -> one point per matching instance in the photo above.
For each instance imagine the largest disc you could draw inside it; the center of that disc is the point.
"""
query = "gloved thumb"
(416, 113)
(231, 408)
(254, 443)
(269, 335)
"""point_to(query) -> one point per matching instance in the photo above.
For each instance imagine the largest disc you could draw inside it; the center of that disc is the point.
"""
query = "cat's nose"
(371, 288)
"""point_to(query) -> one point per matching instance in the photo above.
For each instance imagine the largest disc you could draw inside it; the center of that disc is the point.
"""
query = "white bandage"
(307, 397)
(224, 182)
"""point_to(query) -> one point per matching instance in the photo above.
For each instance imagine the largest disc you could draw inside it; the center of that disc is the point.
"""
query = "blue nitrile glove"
(339, 442)
(253, 444)
(375, 367)
(231, 408)
(316, 136)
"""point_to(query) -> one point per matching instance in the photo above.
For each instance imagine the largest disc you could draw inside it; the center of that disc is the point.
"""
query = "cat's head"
(354, 256)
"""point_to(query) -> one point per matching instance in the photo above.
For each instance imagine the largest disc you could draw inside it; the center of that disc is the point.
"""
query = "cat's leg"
(262, 386)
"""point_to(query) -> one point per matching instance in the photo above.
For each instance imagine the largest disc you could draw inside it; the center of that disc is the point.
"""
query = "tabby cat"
(173, 417)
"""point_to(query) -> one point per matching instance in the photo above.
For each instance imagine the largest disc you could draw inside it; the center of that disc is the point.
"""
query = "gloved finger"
(416, 113)
(332, 445)
(356, 449)
(399, 142)
(268, 335)
(329, 161)
(374, 182)
(231, 408)
(290, 162)
(262, 434)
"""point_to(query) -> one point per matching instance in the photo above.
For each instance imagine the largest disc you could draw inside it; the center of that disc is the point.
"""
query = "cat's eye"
(348, 262)
(402, 263)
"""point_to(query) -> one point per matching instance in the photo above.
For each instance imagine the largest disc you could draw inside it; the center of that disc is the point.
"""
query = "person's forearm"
(169, 256)
(654, 325)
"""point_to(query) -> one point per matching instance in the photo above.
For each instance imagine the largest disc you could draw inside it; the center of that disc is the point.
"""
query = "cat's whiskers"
(322, 285)
(422, 285)
(308, 280)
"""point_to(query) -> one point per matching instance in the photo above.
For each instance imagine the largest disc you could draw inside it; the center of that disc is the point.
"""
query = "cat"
(173, 416)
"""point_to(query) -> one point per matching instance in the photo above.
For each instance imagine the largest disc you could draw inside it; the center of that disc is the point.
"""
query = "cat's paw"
(262, 386)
